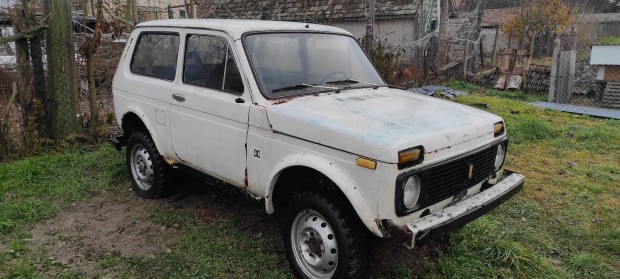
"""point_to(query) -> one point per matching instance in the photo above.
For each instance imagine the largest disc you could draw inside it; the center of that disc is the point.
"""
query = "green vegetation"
(608, 41)
(564, 224)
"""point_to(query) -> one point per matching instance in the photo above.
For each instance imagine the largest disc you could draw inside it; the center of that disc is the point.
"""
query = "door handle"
(179, 97)
(239, 101)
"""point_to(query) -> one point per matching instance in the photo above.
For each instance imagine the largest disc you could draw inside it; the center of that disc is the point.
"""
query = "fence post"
(466, 55)
(495, 45)
(554, 69)
(370, 23)
(170, 14)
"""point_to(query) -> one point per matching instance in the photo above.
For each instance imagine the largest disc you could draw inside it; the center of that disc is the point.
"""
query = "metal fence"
(586, 64)
(417, 34)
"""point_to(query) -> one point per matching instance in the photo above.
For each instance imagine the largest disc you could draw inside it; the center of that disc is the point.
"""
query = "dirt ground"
(120, 224)
(81, 235)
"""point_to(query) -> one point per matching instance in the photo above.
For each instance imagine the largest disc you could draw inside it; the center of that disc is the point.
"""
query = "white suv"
(296, 115)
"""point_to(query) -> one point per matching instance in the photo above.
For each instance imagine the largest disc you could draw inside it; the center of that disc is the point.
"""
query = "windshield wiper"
(302, 86)
(374, 86)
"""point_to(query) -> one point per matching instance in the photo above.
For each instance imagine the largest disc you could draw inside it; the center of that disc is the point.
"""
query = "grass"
(608, 41)
(564, 224)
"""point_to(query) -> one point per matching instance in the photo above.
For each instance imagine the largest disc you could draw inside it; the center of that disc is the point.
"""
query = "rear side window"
(210, 63)
(156, 55)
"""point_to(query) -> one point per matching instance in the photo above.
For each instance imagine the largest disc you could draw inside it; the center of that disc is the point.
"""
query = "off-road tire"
(159, 171)
(349, 233)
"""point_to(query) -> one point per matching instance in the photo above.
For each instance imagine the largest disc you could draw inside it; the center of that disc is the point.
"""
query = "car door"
(209, 108)
(148, 79)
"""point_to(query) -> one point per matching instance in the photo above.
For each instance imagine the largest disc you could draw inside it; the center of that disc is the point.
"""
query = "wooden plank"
(566, 73)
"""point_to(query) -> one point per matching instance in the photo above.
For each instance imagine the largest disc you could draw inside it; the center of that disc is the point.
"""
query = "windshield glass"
(289, 64)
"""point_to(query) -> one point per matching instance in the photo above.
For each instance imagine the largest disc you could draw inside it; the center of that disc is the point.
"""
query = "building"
(398, 23)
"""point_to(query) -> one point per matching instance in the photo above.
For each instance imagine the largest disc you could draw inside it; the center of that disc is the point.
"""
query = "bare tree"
(89, 51)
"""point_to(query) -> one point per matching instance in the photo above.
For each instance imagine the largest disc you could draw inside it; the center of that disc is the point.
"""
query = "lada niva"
(296, 115)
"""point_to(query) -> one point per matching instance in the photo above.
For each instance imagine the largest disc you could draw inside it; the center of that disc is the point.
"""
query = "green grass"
(33, 189)
(608, 41)
(563, 224)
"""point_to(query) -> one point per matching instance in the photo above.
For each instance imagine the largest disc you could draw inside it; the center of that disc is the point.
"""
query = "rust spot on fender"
(284, 100)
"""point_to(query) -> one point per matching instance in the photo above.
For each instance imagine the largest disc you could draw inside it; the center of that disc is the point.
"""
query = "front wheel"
(147, 170)
(321, 241)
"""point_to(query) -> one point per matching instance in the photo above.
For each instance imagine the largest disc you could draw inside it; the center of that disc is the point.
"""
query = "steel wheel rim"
(141, 166)
(314, 244)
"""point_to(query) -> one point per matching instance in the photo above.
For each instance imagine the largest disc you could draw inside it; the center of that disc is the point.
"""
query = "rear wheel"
(146, 168)
(322, 241)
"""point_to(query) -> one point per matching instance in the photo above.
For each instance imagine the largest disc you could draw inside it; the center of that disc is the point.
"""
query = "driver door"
(209, 108)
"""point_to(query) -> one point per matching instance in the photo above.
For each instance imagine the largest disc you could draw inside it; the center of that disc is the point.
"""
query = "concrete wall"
(398, 33)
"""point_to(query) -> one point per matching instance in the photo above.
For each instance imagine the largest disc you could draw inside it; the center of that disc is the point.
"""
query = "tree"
(540, 18)
(89, 50)
(62, 105)
(613, 7)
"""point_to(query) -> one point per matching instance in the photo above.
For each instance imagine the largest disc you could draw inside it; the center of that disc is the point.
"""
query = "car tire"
(148, 172)
(323, 241)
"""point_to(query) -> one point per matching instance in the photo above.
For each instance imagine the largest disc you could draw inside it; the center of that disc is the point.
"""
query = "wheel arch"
(309, 164)
(134, 120)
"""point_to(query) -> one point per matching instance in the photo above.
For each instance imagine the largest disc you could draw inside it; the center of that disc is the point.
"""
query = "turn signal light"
(499, 129)
(408, 156)
(366, 163)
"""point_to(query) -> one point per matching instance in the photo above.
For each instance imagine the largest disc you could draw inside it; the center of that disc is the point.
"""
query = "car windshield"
(288, 64)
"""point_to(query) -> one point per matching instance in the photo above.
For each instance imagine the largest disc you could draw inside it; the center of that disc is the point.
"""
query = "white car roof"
(237, 27)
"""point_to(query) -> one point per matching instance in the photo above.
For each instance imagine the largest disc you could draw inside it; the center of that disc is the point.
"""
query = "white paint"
(600, 73)
(605, 55)
(212, 132)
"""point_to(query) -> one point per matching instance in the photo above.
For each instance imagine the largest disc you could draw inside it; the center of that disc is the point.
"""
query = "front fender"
(335, 174)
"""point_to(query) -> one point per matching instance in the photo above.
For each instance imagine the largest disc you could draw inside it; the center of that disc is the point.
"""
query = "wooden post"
(510, 39)
(466, 55)
(370, 23)
(554, 70)
(482, 50)
(495, 45)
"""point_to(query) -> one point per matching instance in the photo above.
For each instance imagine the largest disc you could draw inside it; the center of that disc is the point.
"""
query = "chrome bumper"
(456, 216)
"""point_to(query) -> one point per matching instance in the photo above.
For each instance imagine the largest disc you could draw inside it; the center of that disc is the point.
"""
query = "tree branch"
(26, 34)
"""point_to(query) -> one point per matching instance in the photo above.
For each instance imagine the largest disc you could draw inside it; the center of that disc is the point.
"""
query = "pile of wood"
(611, 96)
(538, 79)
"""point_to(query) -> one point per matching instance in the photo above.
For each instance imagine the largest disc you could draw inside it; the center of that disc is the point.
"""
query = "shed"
(607, 58)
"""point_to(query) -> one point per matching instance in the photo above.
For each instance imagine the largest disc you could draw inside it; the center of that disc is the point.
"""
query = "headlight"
(411, 191)
(499, 158)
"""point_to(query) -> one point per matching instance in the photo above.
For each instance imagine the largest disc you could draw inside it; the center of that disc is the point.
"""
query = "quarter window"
(209, 63)
(156, 55)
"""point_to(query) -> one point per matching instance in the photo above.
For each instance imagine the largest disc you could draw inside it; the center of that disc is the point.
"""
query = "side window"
(209, 63)
(156, 55)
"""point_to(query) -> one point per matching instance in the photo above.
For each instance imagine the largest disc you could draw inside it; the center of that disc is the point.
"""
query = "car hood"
(378, 123)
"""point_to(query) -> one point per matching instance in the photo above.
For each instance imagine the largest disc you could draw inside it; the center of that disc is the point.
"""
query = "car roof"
(237, 27)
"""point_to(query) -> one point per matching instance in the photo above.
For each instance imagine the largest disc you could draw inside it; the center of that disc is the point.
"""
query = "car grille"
(451, 178)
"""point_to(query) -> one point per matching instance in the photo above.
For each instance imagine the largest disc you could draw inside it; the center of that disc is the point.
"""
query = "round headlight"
(499, 158)
(411, 191)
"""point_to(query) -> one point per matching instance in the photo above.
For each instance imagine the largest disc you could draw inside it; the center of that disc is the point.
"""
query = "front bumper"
(429, 227)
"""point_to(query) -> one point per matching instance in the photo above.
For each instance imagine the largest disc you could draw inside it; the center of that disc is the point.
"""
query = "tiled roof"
(306, 9)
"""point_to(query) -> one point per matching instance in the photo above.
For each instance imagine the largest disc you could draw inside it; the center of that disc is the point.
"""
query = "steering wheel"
(333, 74)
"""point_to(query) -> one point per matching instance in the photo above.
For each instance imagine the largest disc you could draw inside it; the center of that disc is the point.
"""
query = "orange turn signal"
(408, 156)
(366, 163)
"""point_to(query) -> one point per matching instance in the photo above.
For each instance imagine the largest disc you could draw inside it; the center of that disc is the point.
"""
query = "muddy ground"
(117, 223)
